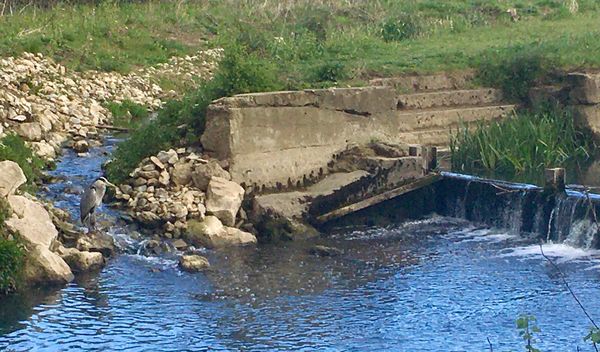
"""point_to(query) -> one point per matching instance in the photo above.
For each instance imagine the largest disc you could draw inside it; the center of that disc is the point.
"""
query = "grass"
(313, 43)
(12, 147)
(522, 145)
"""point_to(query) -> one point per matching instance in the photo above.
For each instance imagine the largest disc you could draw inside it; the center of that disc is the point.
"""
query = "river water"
(437, 284)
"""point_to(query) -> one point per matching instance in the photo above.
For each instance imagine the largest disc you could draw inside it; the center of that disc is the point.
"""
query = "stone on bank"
(223, 199)
(211, 233)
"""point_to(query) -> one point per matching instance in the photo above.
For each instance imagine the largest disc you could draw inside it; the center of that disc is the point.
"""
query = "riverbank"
(311, 44)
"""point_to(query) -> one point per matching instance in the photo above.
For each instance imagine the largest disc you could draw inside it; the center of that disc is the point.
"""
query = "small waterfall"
(559, 218)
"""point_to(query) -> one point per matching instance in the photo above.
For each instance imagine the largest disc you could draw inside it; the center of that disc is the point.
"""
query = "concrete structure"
(281, 139)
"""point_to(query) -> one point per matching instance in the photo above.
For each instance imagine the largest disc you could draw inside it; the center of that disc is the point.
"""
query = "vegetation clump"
(181, 122)
(522, 144)
(11, 254)
(12, 147)
(127, 113)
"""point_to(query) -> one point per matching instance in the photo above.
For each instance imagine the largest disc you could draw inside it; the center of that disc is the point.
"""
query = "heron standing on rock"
(90, 200)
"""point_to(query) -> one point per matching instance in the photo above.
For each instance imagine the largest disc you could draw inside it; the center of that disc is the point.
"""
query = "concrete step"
(424, 83)
(448, 98)
(415, 120)
(432, 126)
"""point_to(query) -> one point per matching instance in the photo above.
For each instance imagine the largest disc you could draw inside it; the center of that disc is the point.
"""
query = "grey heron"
(90, 200)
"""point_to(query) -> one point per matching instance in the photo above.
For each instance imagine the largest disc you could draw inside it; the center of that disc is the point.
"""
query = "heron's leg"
(93, 221)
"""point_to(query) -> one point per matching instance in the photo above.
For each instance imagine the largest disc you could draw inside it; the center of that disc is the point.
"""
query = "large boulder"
(31, 221)
(181, 174)
(80, 261)
(205, 172)
(211, 233)
(11, 177)
(44, 267)
(193, 263)
(223, 199)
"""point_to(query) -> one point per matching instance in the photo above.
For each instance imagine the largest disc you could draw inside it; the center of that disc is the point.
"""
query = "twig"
(490, 343)
(106, 127)
(564, 279)
(3, 8)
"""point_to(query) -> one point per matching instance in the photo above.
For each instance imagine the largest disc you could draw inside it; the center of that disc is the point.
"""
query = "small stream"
(436, 284)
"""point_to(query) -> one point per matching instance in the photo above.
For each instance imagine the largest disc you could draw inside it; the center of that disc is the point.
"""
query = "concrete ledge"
(286, 139)
(462, 97)
(585, 87)
(419, 83)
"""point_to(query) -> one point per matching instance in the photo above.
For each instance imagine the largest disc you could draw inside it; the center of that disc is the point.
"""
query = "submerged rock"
(193, 263)
(324, 251)
(81, 146)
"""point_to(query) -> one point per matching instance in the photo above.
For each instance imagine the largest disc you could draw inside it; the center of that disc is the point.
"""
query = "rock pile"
(176, 188)
(45, 103)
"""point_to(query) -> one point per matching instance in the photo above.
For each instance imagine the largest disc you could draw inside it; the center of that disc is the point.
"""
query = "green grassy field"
(312, 42)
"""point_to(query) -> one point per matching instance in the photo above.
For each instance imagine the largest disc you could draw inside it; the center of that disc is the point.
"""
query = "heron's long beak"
(110, 184)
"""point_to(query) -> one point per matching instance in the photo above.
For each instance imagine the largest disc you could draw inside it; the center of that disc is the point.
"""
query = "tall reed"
(524, 143)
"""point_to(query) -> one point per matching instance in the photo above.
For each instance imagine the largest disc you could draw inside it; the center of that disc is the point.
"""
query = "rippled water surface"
(438, 284)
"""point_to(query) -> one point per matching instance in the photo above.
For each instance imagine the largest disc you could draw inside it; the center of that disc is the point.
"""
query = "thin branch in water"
(564, 279)
(490, 343)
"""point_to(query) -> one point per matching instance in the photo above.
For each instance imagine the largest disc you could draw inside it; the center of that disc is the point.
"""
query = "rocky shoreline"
(50, 107)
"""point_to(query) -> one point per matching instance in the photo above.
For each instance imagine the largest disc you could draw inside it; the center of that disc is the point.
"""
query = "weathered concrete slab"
(587, 117)
(463, 97)
(403, 172)
(300, 141)
(585, 87)
(419, 83)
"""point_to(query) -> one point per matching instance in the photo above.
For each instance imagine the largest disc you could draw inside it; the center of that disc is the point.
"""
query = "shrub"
(400, 28)
(514, 74)
(127, 113)
(11, 254)
(12, 147)
(331, 72)
(11, 263)
(182, 122)
(522, 144)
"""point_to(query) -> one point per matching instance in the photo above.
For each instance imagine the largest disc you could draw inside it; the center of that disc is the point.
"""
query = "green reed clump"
(523, 143)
